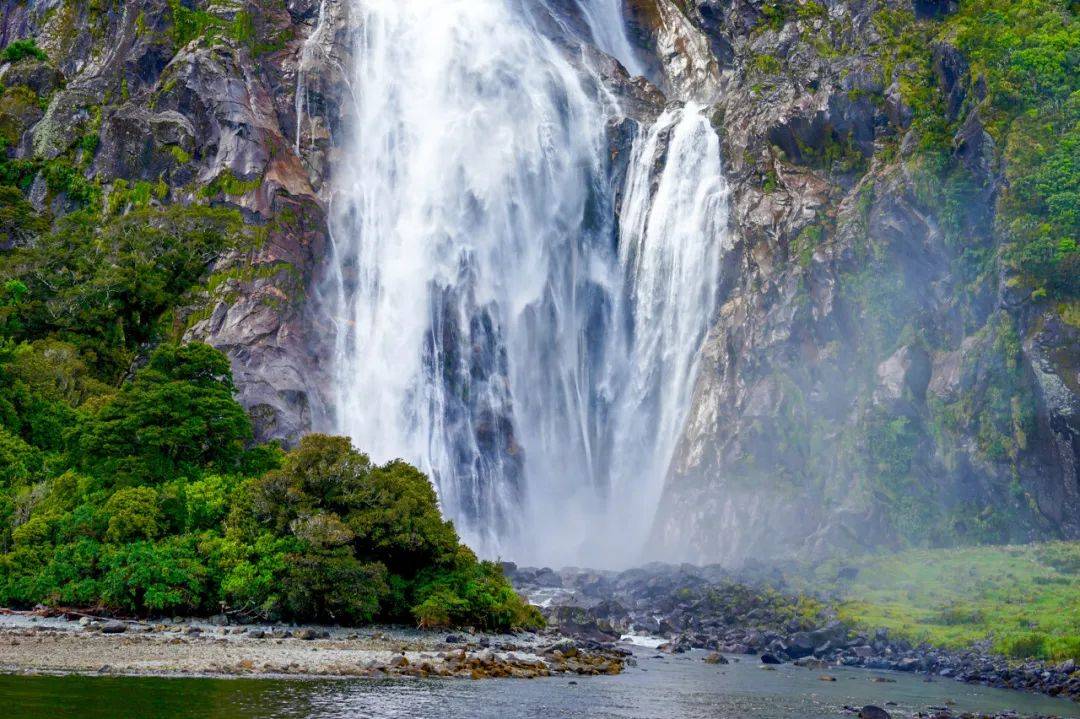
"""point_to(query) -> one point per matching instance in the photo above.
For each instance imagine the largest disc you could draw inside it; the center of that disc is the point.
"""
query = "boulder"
(801, 644)
(114, 627)
(873, 712)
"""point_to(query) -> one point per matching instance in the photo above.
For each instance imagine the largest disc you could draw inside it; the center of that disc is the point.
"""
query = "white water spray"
(607, 26)
(497, 324)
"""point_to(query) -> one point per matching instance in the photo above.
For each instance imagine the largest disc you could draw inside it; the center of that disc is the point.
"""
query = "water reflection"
(683, 687)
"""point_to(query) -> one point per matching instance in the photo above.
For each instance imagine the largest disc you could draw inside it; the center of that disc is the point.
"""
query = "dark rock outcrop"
(209, 117)
(854, 356)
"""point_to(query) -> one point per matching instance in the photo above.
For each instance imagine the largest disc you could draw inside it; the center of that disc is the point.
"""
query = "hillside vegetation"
(1021, 601)
(145, 493)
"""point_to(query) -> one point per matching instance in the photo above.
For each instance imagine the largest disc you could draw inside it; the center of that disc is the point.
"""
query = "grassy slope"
(1024, 599)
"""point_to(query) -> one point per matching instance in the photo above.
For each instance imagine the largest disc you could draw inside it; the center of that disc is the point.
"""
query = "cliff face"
(876, 373)
(199, 106)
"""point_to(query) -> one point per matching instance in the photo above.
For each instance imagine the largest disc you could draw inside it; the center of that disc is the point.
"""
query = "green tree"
(133, 514)
(103, 286)
(177, 415)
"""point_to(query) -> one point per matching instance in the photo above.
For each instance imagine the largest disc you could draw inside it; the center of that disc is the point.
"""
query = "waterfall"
(497, 323)
(607, 27)
(311, 46)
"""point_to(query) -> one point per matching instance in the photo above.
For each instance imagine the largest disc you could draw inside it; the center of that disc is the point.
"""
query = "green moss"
(1070, 312)
(766, 65)
(62, 176)
(191, 24)
(229, 184)
(125, 196)
(1013, 596)
(774, 15)
(839, 154)
(771, 182)
(811, 10)
(19, 107)
(804, 245)
(22, 49)
(1023, 56)
(181, 156)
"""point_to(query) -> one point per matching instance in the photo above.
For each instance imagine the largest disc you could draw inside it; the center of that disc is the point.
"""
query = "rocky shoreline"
(683, 608)
(64, 643)
(37, 643)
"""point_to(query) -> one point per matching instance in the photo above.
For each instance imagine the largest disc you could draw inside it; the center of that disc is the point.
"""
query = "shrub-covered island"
(150, 497)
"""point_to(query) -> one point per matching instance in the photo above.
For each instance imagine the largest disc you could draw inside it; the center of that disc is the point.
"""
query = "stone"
(114, 627)
(873, 712)
(801, 644)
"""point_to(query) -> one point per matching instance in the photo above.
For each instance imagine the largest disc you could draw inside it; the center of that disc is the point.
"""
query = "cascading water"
(607, 28)
(498, 324)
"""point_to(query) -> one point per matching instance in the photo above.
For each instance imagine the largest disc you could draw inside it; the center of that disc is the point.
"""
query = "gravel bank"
(31, 644)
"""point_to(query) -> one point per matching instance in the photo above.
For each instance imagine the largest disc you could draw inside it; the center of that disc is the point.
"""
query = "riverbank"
(65, 646)
(760, 613)
(654, 686)
(58, 645)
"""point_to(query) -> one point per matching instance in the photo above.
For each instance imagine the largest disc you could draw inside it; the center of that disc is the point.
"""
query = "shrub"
(333, 586)
(373, 545)
(1027, 645)
(952, 616)
(165, 576)
(103, 286)
(22, 49)
(133, 514)
(178, 414)
(468, 592)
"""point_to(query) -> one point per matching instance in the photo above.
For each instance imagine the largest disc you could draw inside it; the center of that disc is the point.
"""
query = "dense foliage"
(148, 500)
(1024, 62)
(148, 496)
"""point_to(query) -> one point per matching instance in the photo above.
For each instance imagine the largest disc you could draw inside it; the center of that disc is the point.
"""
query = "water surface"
(670, 688)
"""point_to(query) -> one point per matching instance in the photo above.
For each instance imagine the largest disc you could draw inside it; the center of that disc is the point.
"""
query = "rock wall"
(200, 100)
(865, 383)
(860, 387)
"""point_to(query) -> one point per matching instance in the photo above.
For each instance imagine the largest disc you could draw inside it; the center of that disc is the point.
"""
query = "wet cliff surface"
(875, 373)
(188, 104)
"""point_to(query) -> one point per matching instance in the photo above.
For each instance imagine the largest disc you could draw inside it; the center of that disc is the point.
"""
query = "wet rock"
(114, 627)
(873, 712)
(802, 644)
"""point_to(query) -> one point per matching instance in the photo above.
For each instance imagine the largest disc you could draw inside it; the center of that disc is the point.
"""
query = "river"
(682, 687)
